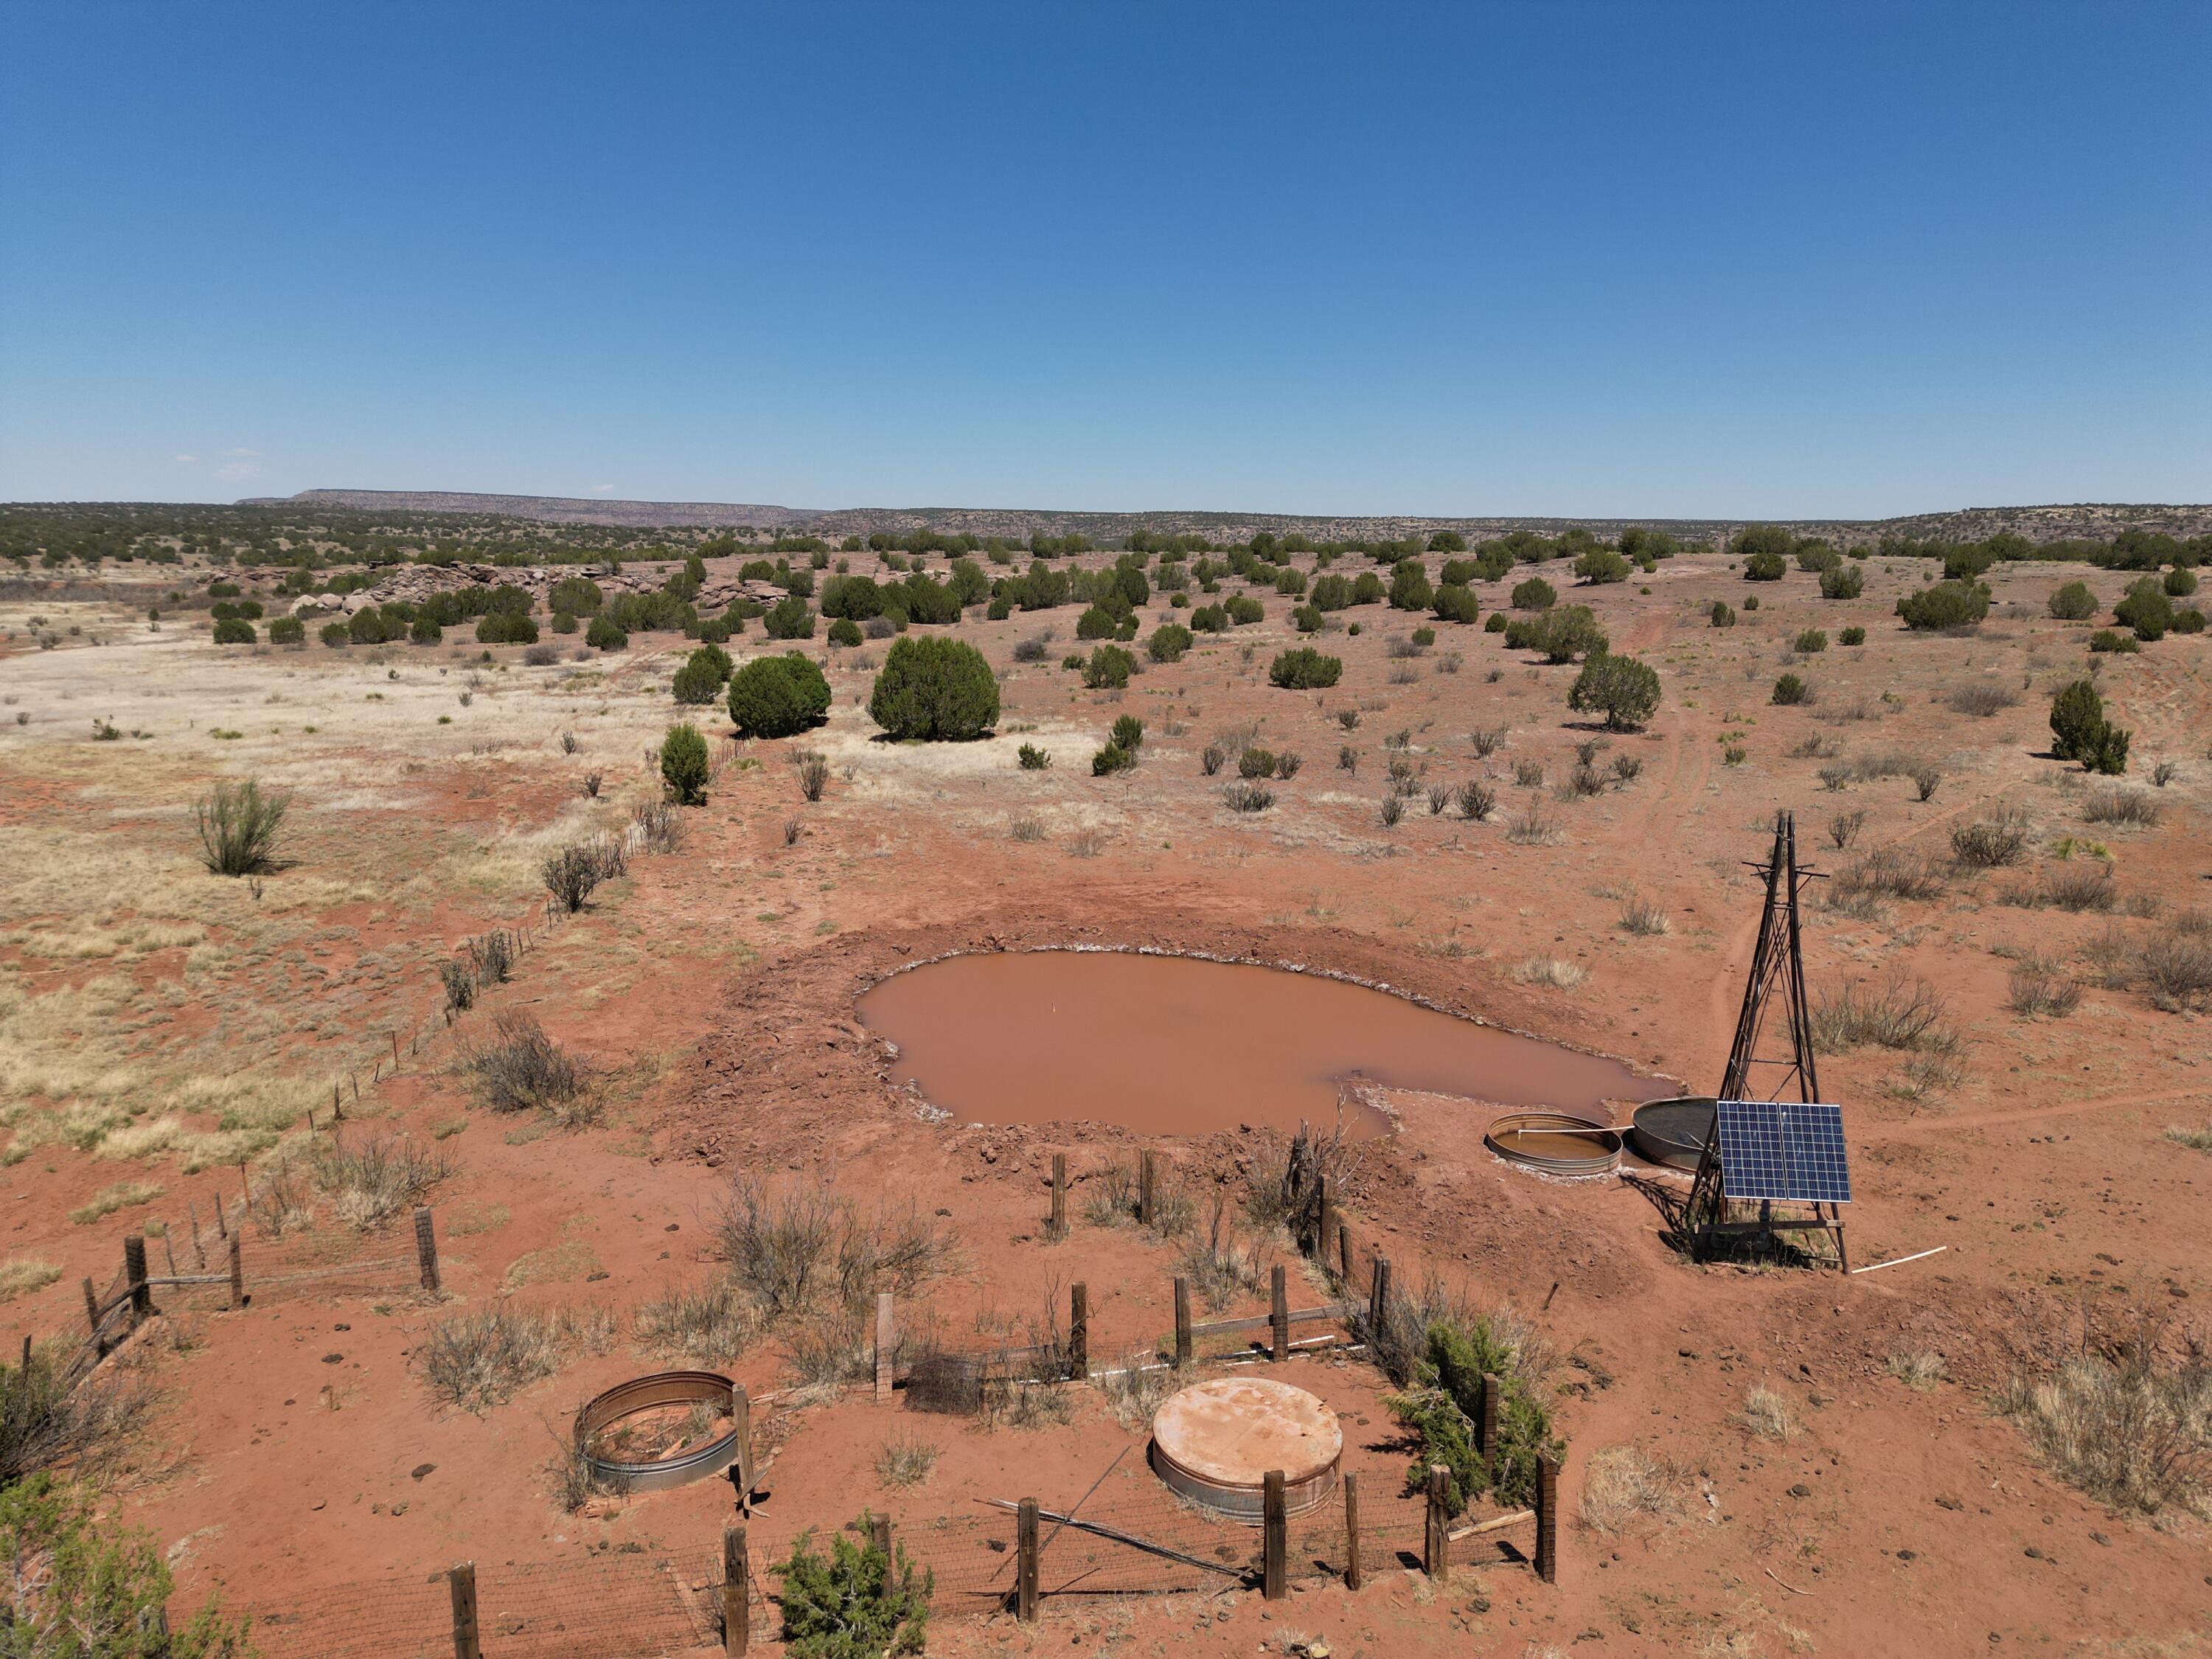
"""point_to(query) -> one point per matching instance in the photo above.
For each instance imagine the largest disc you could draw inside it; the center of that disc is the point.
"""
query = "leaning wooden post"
(237, 1275)
(1325, 1235)
(1025, 1562)
(133, 1275)
(199, 1250)
(741, 1429)
(1547, 1518)
(1078, 1330)
(1493, 1400)
(1354, 1577)
(1378, 1299)
(736, 1592)
(169, 1252)
(1145, 1175)
(1057, 1229)
(1279, 1315)
(425, 1249)
(885, 1341)
(462, 1580)
(221, 1225)
(1435, 1544)
(1344, 1249)
(1275, 1527)
(92, 1320)
(1182, 1322)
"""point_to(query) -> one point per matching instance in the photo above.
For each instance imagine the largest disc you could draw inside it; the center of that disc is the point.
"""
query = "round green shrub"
(1721, 615)
(2146, 607)
(1841, 582)
(1534, 594)
(698, 682)
(1947, 604)
(288, 631)
(564, 621)
(1256, 763)
(605, 635)
(1851, 636)
(1810, 640)
(1765, 568)
(1111, 759)
(1455, 603)
(935, 689)
(2072, 602)
(1169, 643)
(234, 630)
(1108, 668)
(844, 631)
(788, 618)
(2181, 583)
(1129, 733)
(1790, 690)
(1304, 669)
(1625, 690)
(683, 765)
(1496, 624)
(777, 697)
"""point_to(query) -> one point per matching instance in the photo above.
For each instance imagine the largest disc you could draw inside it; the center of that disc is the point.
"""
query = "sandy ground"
(714, 988)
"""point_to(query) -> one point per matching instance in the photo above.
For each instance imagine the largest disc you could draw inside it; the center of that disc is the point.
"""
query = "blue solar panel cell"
(1784, 1149)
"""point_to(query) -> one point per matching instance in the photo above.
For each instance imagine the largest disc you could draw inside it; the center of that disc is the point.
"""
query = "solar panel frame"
(1789, 1151)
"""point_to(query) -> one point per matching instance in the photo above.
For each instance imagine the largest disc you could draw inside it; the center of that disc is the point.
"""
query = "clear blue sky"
(1664, 258)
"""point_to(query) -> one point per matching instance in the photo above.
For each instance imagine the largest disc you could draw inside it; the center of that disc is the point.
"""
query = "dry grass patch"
(1626, 1488)
(123, 1196)
(1920, 1370)
(2128, 1423)
(708, 1324)
(1766, 1415)
(1555, 971)
(22, 1275)
(520, 1069)
(905, 1460)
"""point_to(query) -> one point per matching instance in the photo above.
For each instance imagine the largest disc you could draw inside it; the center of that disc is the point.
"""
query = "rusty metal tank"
(1215, 1442)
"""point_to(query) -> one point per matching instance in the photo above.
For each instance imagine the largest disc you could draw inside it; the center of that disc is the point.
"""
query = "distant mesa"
(2094, 521)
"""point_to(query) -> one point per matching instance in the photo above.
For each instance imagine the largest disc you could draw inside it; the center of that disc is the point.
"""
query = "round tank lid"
(1232, 1430)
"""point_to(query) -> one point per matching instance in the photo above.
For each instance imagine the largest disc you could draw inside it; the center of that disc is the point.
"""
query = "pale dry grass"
(1555, 971)
(1766, 1415)
(477, 1360)
(21, 1275)
(1626, 1488)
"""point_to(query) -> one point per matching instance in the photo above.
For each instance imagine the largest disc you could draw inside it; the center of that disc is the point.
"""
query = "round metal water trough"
(1555, 1143)
(1673, 1131)
(644, 1394)
(1216, 1441)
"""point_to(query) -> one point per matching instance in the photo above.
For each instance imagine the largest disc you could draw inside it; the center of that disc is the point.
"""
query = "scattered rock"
(420, 1470)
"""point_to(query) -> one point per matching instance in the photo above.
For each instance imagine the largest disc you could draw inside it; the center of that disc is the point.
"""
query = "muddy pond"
(1177, 1046)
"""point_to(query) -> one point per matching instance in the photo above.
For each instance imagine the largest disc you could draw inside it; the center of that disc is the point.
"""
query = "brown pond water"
(1173, 1045)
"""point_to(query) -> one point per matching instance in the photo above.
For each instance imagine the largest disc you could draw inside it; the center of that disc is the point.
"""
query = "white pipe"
(1900, 1260)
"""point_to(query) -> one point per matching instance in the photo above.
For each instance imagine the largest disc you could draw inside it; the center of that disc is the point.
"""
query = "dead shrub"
(2128, 1421)
(905, 1460)
(460, 982)
(570, 875)
(2039, 985)
(1887, 873)
(1222, 1264)
(1529, 774)
(1476, 800)
(2130, 809)
(521, 1069)
(813, 774)
(1990, 843)
(1643, 918)
(1843, 829)
(660, 826)
(708, 1324)
(1136, 1387)
(1919, 1369)
(1900, 1013)
(50, 1422)
(1533, 828)
(1487, 740)
(475, 1361)
(1555, 971)
(376, 1178)
(796, 1248)
(2176, 963)
(491, 959)
(1981, 699)
(2076, 886)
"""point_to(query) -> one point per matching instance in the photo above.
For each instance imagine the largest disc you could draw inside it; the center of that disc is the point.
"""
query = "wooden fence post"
(425, 1249)
(1274, 1547)
(199, 1250)
(169, 1252)
(133, 1275)
(1145, 1174)
(1486, 1430)
(879, 1533)
(91, 1321)
(1078, 1330)
(1344, 1249)
(237, 1275)
(884, 1347)
(222, 1225)
(1378, 1298)
(1279, 1315)
(1435, 1545)
(1025, 1562)
(462, 1580)
(1056, 1229)
(1547, 1518)
(736, 1592)
(741, 1426)
(1182, 1322)
(1353, 1577)
(1325, 1237)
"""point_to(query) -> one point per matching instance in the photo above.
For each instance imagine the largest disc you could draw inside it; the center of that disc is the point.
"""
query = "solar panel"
(1784, 1149)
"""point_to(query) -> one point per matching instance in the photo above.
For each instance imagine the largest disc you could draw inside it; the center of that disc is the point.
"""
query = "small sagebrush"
(239, 827)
